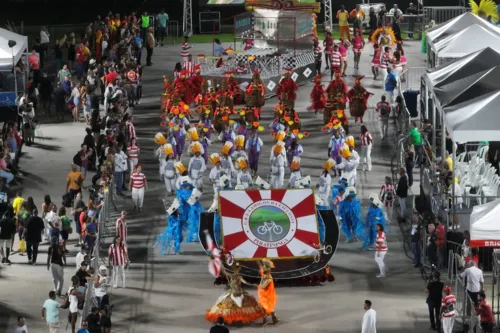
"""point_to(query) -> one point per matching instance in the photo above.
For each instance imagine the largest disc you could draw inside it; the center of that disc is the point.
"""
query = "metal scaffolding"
(187, 21)
(328, 14)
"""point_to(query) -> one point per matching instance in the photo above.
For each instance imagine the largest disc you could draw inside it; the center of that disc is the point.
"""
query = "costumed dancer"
(377, 53)
(228, 136)
(196, 81)
(169, 169)
(295, 174)
(336, 98)
(234, 87)
(350, 161)
(172, 232)
(267, 293)
(294, 150)
(179, 133)
(241, 127)
(278, 165)
(402, 59)
(343, 48)
(287, 89)
(368, 230)
(195, 210)
(387, 195)
(350, 214)
(328, 43)
(253, 147)
(197, 165)
(194, 136)
(358, 43)
(334, 146)
(255, 95)
(358, 99)
(226, 162)
(244, 178)
(160, 152)
(325, 180)
(337, 196)
(205, 124)
(184, 187)
(383, 36)
(279, 137)
(318, 96)
(205, 142)
(235, 305)
(239, 142)
(216, 171)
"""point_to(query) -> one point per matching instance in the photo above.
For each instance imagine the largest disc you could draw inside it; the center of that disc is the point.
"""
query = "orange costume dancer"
(336, 97)
(234, 87)
(318, 100)
(255, 95)
(196, 80)
(267, 293)
(287, 88)
(358, 99)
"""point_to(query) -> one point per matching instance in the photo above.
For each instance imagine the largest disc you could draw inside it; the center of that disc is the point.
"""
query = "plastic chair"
(490, 191)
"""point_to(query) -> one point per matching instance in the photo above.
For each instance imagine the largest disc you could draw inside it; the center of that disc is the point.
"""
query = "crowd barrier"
(441, 14)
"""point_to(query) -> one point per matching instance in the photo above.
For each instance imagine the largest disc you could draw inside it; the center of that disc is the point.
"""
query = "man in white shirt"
(120, 169)
(369, 319)
(80, 256)
(474, 281)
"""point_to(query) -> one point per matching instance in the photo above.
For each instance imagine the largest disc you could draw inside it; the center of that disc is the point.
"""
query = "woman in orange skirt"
(267, 293)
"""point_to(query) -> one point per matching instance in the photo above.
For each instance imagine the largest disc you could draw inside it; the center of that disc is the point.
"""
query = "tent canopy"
(475, 85)
(455, 25)
(472, 39)
(6, 52)
(462, 67)
(474, 120)
(484, 226)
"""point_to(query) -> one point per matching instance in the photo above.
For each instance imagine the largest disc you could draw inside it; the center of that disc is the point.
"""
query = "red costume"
(358, 99)
(318, 99)
(336, 97)
(255, 95)
(287, 88)
(196, 80)
(183, 87)
(234, 87)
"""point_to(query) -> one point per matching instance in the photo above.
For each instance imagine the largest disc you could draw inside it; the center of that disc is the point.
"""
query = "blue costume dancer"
(368, 229)
(335, 191)
(350, 214)
(185, 188)
(195, 209)
(321, 223)
(172, 232)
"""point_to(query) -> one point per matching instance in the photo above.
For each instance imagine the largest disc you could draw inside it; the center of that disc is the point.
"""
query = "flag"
(215, 262)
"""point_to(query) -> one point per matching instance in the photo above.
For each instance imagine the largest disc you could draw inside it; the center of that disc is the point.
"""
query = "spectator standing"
(82, 274)
(384, 111)
(118, 259)
(58, 52)
(80, 61)
(343, 17)
(474, 280)
(219, 327)
(432, 248)
(80, 256)
(93, 320)
(21, 325)
(219, 51)
(120, 169)
(83, 327)
(390, 84)
(434, 296)
(411, 10)
(101, 285)
(486, 318)
(56, 260)
(7, 232)
(74, 181)
(409, 164)
(60, 95)
(84, 154)
(121, 227)
(50, 312)
(137, 185)
(162, 19)
(185, 47)
(105, 321)
(144, 24)
(415, 242)
(366, 148)
(150, 45)
(17, 202)
(34, 62)
(63, 73)
(4, 171)
(416, 140)
(402, 192)
(369, 319)
(33, 235)
(73, 294)
(44, 43)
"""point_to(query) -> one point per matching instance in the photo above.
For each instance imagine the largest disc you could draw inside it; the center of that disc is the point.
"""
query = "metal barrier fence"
(441, 14)
(413, 78)
(100, 246)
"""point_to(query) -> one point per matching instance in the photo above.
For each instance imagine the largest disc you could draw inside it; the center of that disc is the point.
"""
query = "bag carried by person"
(22, 246)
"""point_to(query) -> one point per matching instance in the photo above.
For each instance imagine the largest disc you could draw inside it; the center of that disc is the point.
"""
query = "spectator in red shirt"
(485, 313)
(34, 63)
(474, 256)
(80, 61)
(440, 239)
(111, 76)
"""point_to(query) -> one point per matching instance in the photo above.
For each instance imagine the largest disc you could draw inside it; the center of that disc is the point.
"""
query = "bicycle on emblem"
(270, 227)
(320, 250)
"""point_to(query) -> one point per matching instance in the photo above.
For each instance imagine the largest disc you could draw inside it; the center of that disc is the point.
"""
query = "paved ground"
(175, 291)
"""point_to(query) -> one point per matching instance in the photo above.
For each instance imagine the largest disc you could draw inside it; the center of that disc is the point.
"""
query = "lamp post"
(11, 44)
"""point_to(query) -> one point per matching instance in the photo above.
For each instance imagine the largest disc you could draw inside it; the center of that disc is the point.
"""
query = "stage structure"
(283, 224)
(281, 38)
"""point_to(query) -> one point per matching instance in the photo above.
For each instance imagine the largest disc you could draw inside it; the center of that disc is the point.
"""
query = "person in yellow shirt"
(343, 16)
(74, 181)
(449, 160)
(18, 201)
(357, 16)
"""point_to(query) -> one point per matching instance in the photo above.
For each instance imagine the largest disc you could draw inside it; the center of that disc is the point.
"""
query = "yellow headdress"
(486, 9)
(350, 141)
(295, 163)
(267, 264)
(160, 139)
(345, 152)
(226, 148)
(280, 136)
(329, 164)
(168, 149)
(239, 141)
(242, 163)
(278, 147)
(192, 134)
(195, 147)
(180, 167)
(214, 158)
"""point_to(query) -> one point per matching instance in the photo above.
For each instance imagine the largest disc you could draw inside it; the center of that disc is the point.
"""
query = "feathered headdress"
(180, 167)
(280, 136)
(278, 147)
(168, 149)
(295, 163)
(345, 152)
(358, 78)
(195, 147)
(242, 163)
(389, 31)
(160, 139)
(192, 134)
(487, 9)
(239, 141)
(329, 164)
(350, 141)
(226, 148)
(214, 158)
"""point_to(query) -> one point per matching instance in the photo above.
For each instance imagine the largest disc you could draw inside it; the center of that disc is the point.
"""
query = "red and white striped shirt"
(381, 242)
(336, 58)
(185, 49)
(387, 194)
(117, 254)
(189, 67)
(133, 151)
(448, 305)
(366, 139)
(121, 229)
(137, 180)
(177, 74)
(384, 60)
(131, 130)
(383, 105)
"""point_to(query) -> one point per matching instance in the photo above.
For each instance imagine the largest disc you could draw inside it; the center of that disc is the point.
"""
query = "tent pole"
(14, 71)
(443, 137)
(426, 99)
(452, 213)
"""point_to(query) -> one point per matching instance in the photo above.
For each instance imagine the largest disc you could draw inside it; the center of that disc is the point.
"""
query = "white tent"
(6, 52)
(484, 226)
(474, 38)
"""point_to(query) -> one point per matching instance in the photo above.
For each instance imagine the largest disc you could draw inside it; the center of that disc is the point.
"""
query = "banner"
(226, 2)
(278, 223)
(7, 99)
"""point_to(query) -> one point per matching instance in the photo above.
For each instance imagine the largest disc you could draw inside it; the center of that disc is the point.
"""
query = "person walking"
(50, 312)
(485, 313)
(162, 19)
(366, 148)
(56, 260)
(402, 192)
(121, 227)
(474, 280)
(150, 45)
(7, 232)
(74, 182)
(120, 169)
(434, 291)
(118, 258)
(390, 84)
(448, 305)
(384, 111)
(380, 250)
(369, 319)
(409, 164)
(138, 184)
(416, 140)
(33, 235)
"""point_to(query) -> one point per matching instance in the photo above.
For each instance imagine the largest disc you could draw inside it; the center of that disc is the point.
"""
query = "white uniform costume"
(214, 177)
(161, 159)
(324, 186)
(226, 163)
(350, 167)
(294, 177)
(283, 153)
(237, 154)
(196, 167)
(277, 171)
(244, 178)
(169, 175)
(202, 150)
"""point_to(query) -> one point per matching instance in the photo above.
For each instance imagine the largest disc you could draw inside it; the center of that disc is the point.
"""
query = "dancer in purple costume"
(180, 139)
(253, 146)
(204, 140)
(295, 149)
(205, 122)
(227, 135)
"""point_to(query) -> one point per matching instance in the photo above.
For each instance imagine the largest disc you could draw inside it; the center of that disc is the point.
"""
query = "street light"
(11, 44)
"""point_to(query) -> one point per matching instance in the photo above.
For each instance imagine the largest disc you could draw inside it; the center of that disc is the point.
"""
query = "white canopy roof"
(485, 225)
(471, 39)
(6, 52)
